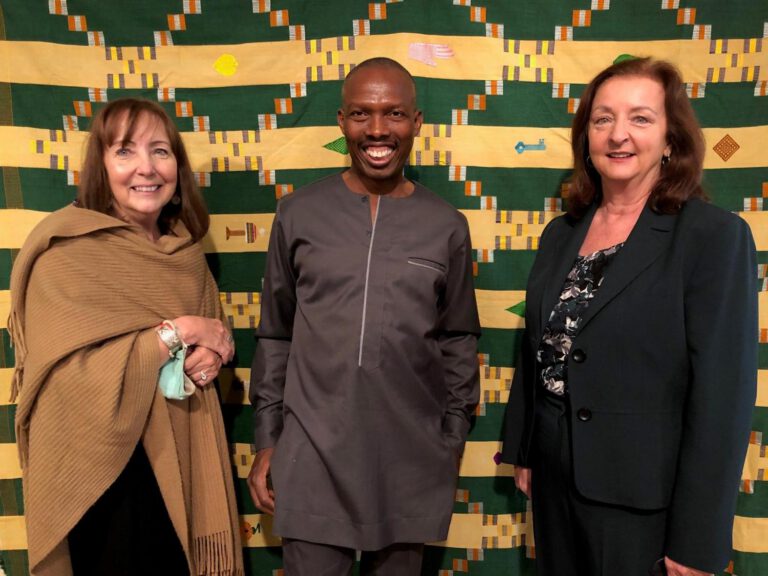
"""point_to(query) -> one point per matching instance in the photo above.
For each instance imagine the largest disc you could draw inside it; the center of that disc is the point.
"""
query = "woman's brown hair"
(94, 192)
(680, 174)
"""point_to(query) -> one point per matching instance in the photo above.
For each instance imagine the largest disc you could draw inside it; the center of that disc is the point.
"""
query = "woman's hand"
(675, 569)
(202, 365)
(207, 333)
(523, 480)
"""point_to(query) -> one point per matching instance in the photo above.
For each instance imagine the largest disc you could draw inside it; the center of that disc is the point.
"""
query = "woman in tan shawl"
(119, 479)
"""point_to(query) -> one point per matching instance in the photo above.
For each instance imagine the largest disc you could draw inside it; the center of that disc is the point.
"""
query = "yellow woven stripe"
(13, 533)
(484, 229)
(750, 534)
(18, 147)
(230, 233)
(477, 461)
(5, 306)
(15, 226)
(762, 388)
(466, 531)
(5, 385)
(758, 223)
(9, 462)
(752, 152)
(755, 463)
(256, 531)
(287, 62)
(302, 148)
(471, 531)
(492, 306)
(280, 149)
(495, 382)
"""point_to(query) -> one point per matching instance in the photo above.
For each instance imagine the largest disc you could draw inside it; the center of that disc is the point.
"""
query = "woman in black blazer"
(630, 408)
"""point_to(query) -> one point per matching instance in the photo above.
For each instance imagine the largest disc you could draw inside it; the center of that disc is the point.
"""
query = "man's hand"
(262, 496)
(523, 480)
(675, 569)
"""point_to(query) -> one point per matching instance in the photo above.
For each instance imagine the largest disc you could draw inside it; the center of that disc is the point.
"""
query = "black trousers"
(301, 558)
(128, 530)
(576, 536)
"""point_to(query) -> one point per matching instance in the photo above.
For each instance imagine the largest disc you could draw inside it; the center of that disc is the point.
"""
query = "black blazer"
(662, 373)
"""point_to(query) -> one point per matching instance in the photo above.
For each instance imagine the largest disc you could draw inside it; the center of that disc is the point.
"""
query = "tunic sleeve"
(721, 330)
(278, 306)
(459, 330)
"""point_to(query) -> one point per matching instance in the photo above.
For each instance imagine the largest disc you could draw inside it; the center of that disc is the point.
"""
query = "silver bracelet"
(170, 337)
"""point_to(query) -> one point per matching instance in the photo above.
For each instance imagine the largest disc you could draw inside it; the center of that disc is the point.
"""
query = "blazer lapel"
(564, 254)
(647, 241)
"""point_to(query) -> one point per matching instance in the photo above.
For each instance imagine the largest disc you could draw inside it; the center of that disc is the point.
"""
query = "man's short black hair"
(379, 62)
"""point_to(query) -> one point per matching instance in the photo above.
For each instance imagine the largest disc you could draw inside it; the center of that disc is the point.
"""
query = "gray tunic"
(365, 374)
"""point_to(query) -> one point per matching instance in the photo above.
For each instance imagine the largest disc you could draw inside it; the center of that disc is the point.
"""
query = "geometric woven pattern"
(254, 86)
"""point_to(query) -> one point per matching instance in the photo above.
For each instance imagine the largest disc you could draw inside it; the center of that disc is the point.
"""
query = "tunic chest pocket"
(425, 278)
(427, 263)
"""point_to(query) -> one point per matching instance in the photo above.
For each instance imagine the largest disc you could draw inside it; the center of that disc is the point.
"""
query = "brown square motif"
(726, 148)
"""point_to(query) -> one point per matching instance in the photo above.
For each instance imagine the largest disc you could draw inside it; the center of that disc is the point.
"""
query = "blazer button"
(584, 414)
(579, 355)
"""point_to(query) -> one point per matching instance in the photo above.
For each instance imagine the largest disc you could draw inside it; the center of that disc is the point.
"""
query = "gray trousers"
(301, 558)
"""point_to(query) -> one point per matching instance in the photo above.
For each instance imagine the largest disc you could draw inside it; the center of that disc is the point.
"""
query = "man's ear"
(340, 119)
(419, 121)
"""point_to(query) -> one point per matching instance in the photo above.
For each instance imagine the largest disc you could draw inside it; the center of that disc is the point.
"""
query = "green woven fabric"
(254, 85)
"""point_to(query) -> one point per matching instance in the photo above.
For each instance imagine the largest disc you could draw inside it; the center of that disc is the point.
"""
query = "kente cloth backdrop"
(254, 86)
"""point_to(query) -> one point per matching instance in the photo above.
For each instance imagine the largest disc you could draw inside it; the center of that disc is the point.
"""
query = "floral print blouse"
(581, 285)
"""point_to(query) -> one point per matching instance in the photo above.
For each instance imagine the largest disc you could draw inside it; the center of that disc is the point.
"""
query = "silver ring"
(203, 376)
(229, 337)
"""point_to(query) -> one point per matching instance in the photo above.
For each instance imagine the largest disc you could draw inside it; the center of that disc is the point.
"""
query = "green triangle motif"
(518, 309)
(623, 58)
(339, 145)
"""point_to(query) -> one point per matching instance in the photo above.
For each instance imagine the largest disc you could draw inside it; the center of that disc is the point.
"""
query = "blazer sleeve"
(518, 414)
(275, 331)
(721, 328)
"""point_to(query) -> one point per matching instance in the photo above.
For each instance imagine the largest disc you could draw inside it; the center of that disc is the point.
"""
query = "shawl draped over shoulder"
(88, 291)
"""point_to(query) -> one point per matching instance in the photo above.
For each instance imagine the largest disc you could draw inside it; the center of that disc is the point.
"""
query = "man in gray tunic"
(365, 375)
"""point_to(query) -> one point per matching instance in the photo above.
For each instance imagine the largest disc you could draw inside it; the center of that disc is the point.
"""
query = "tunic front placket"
(375, 279)
(371, 242)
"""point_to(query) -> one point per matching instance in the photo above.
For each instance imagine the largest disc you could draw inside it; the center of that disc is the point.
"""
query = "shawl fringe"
(213, 555)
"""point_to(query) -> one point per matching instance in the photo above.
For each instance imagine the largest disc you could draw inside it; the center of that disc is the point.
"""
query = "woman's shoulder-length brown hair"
(94, 191)
(681, 174)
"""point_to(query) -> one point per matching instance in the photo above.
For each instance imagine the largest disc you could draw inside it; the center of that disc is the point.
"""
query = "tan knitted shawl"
(87, 291)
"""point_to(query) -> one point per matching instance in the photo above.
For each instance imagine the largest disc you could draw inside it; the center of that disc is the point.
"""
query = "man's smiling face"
(379, 120)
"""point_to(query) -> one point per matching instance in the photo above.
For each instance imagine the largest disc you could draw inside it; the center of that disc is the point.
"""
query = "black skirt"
(128, 530)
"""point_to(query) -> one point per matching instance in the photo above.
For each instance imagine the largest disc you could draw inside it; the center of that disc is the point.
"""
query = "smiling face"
(379, 120)
(142, 172)
(627, 133)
